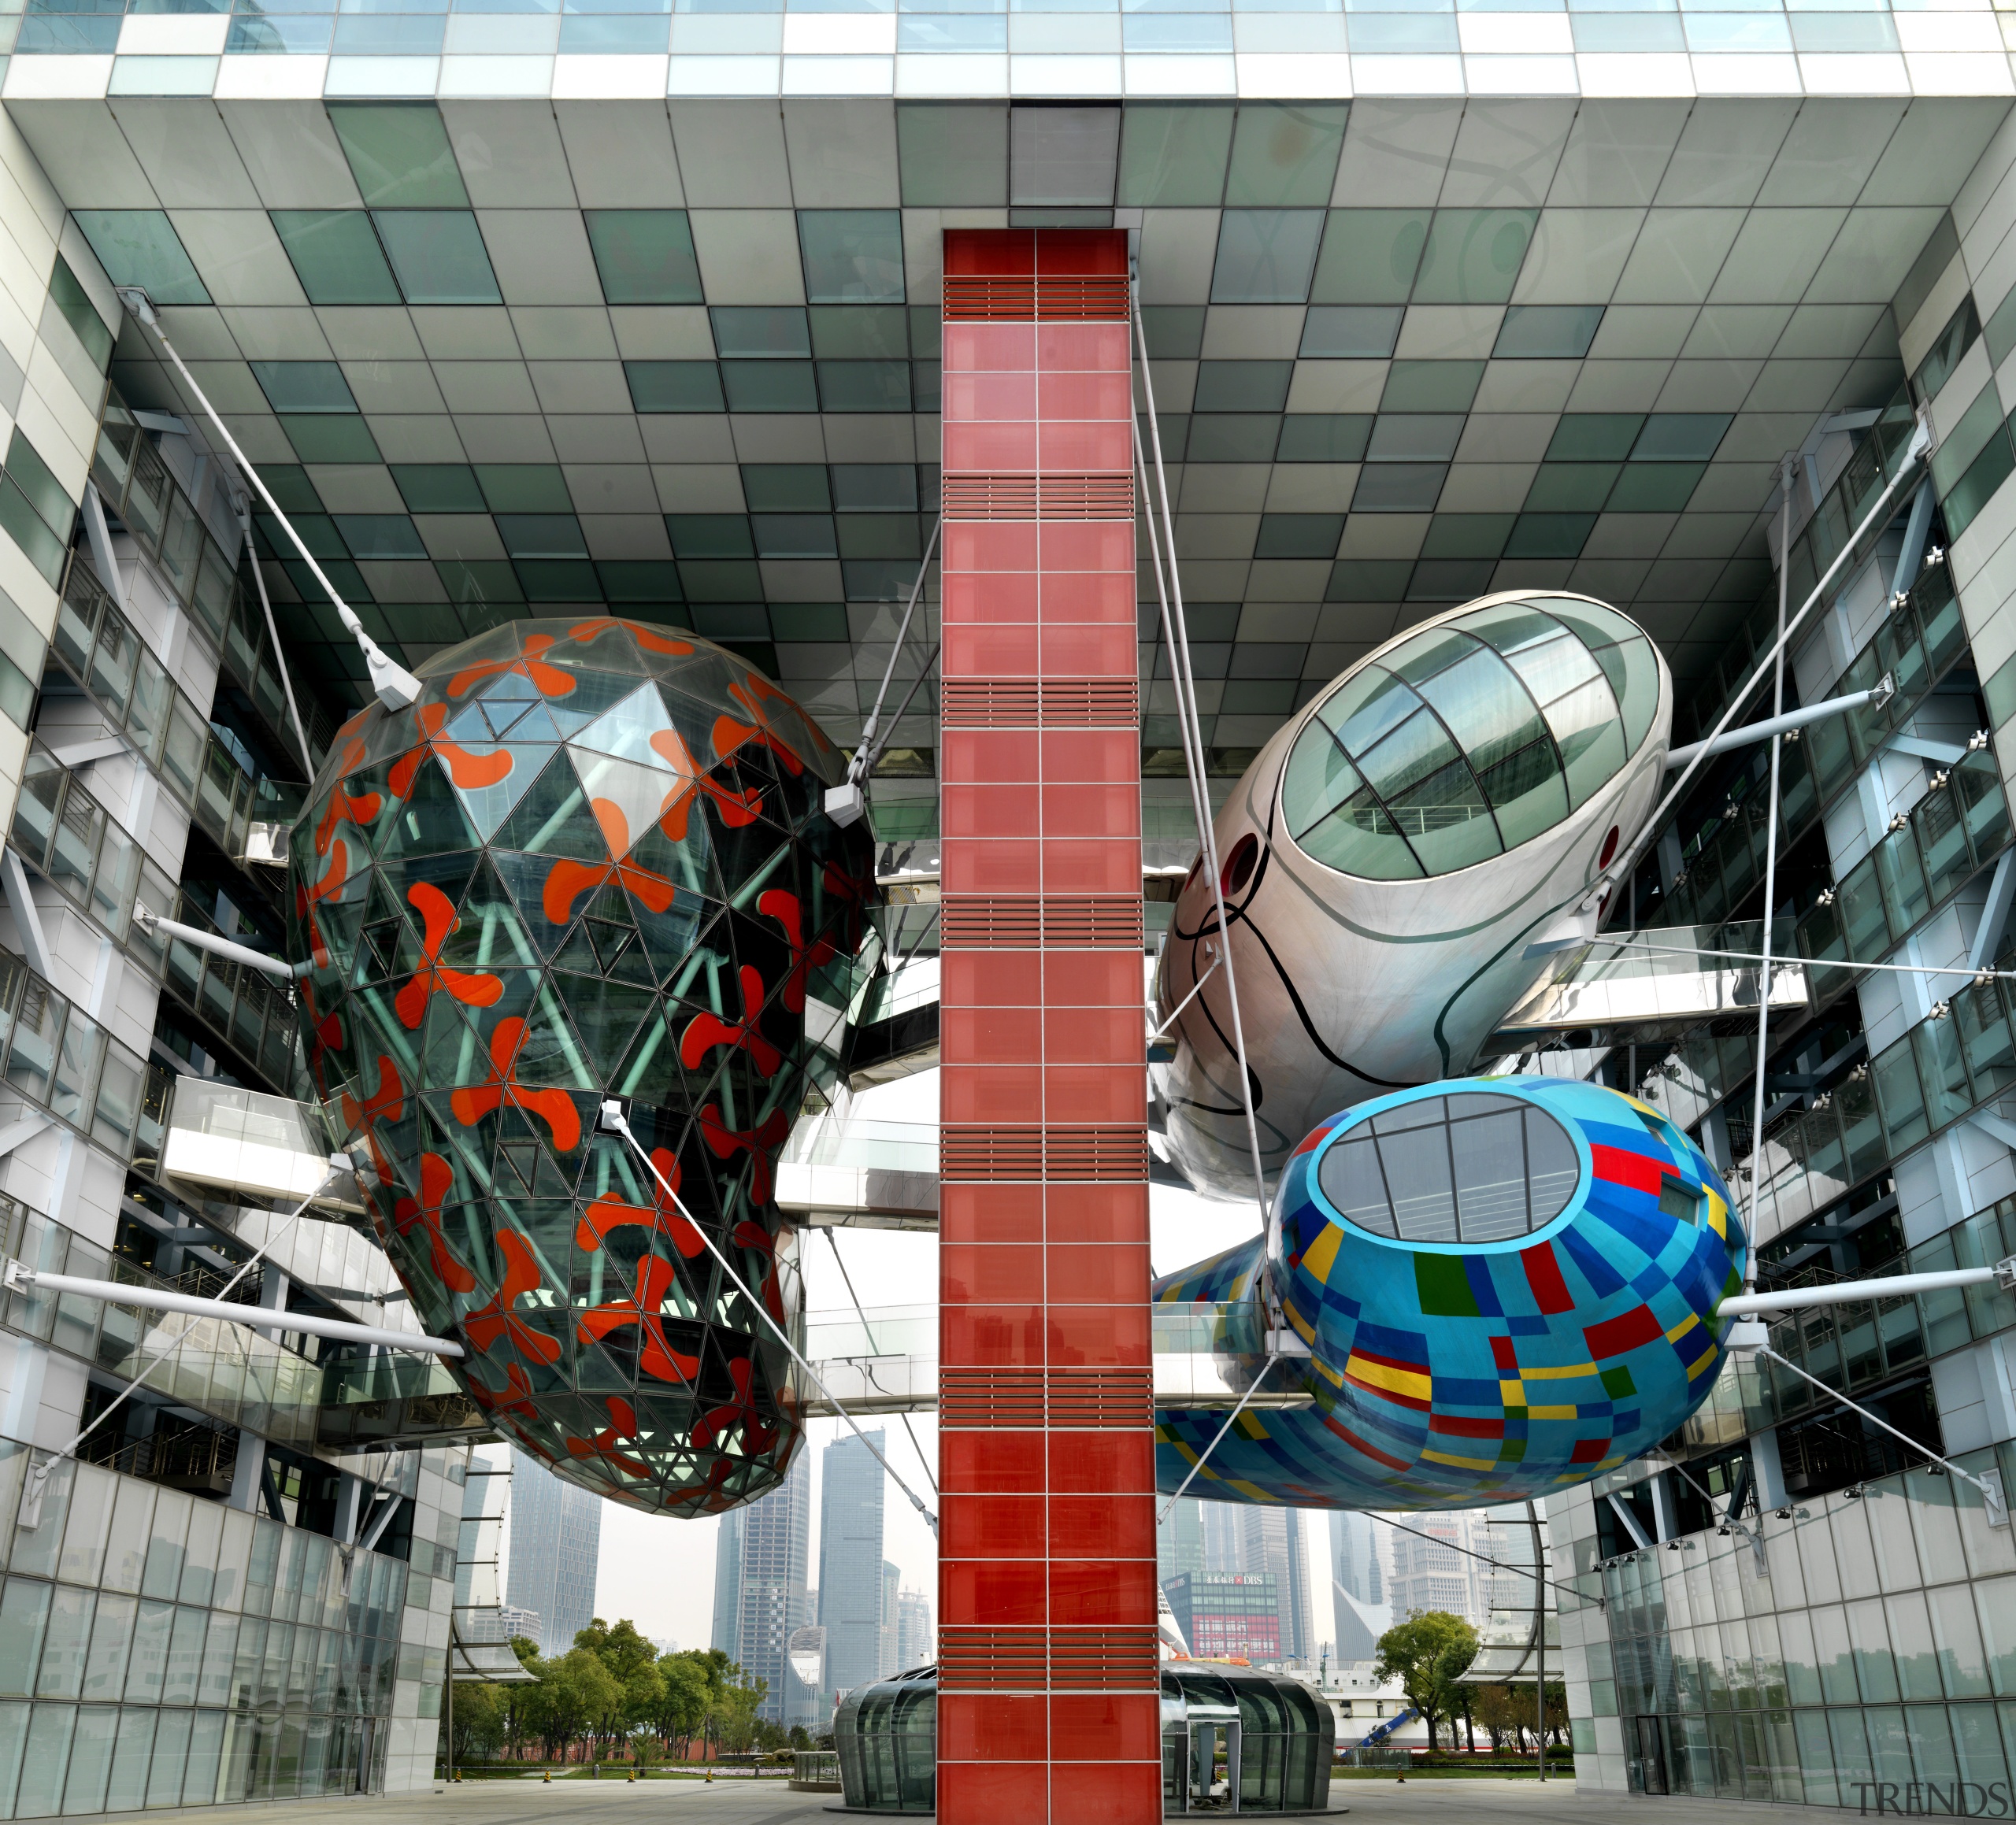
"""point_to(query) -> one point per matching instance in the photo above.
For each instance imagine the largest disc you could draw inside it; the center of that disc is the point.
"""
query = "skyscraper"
(760, 1595)
(1354, 1555)
(1223, 1528)
(891, 1586)
(1435, 1572)
(556, 1545)
(914, 1641)
(850, 1563)
(1180, 1540)
(725, 1634)
(1272, 1540)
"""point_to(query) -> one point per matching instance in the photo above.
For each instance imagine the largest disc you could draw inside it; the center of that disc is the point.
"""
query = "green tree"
(575, 1693)
(1505, 1711)
(1423, 1656)
(682, 1703)
(735, 1710)
(479, 1719)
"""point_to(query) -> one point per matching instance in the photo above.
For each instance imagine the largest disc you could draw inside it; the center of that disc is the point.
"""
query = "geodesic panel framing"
(590, 861)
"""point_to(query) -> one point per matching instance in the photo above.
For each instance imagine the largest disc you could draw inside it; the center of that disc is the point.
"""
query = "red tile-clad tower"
(1047, 1707)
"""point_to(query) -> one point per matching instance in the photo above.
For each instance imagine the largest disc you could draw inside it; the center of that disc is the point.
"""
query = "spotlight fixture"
(1853, 1492)
(1784, 1514)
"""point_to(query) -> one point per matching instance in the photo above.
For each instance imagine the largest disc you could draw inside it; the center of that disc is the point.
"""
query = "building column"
(1048, 1661)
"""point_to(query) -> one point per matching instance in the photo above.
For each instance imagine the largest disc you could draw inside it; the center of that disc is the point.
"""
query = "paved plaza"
(768, 1802)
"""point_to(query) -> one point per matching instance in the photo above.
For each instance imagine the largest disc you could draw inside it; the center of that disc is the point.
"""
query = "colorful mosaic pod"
(1451, 1373)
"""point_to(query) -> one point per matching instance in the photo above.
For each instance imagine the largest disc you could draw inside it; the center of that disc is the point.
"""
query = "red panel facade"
(1047, 1701)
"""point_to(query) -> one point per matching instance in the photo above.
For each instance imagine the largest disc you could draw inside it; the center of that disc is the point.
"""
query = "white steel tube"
(1180, 663)
(1776, 725)
(273, 635)
(1627, 858)
(1991, 1492)
(1770, 893)
(217, 947)
(1850, 1292)
(22, 1278)
(390, 682)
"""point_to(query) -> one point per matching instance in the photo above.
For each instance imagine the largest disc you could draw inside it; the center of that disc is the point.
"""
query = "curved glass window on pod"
(1470, 738)
(1465, 1168)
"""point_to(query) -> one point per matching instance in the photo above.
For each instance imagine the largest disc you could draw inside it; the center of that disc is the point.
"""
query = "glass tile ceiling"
(1562, 348)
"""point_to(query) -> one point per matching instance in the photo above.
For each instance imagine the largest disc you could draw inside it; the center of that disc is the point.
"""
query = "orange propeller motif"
(437, 912)
(554, 1107)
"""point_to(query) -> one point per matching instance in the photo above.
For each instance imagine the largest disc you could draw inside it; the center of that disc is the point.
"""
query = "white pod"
(1391, 857)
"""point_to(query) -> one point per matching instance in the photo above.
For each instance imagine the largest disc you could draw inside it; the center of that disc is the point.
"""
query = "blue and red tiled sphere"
(590, 861)
(1507, 1286)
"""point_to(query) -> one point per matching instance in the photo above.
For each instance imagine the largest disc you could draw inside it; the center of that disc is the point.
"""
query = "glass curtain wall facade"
(1822, 1617)
(238, 1586)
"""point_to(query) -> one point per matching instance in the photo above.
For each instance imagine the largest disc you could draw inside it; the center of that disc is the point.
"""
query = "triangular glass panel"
(489, 934)
(378, 951)
(682, 942)
(627, 799)
(489, 804)
(599, 641)
(497, 718)
(578, 953)
(431, 821)
(469, 723)
(456, 1056)
(536, 891)
(688, 865)
(502, 682)
(593, 693)
(550, 1052)
(651, 1073)
(605, 1017)
(553, 818)
(469, 1145)
(519, 1161)
(626, 731)
(535, 725)
(619, 951)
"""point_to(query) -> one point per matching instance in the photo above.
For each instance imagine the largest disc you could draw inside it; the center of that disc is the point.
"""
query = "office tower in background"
(1272, 1538)
(725, 1634)
(775, 1538)
(1223, 1525)
(1355, 1558)
(556, 1545)
(850, 1563)
(915, 1645)
(1436, 1571)
(892, 1580)
(1180, 1540)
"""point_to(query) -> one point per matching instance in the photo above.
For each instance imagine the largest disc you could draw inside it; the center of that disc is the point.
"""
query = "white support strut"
(613, 1120)
(223, 947)
(20, 1278)
(1851, 1292)
(1878, 693)
(394, 686)
(1626, 859)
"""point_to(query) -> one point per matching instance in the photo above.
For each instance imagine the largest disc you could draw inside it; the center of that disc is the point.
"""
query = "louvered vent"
(1022, 921)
